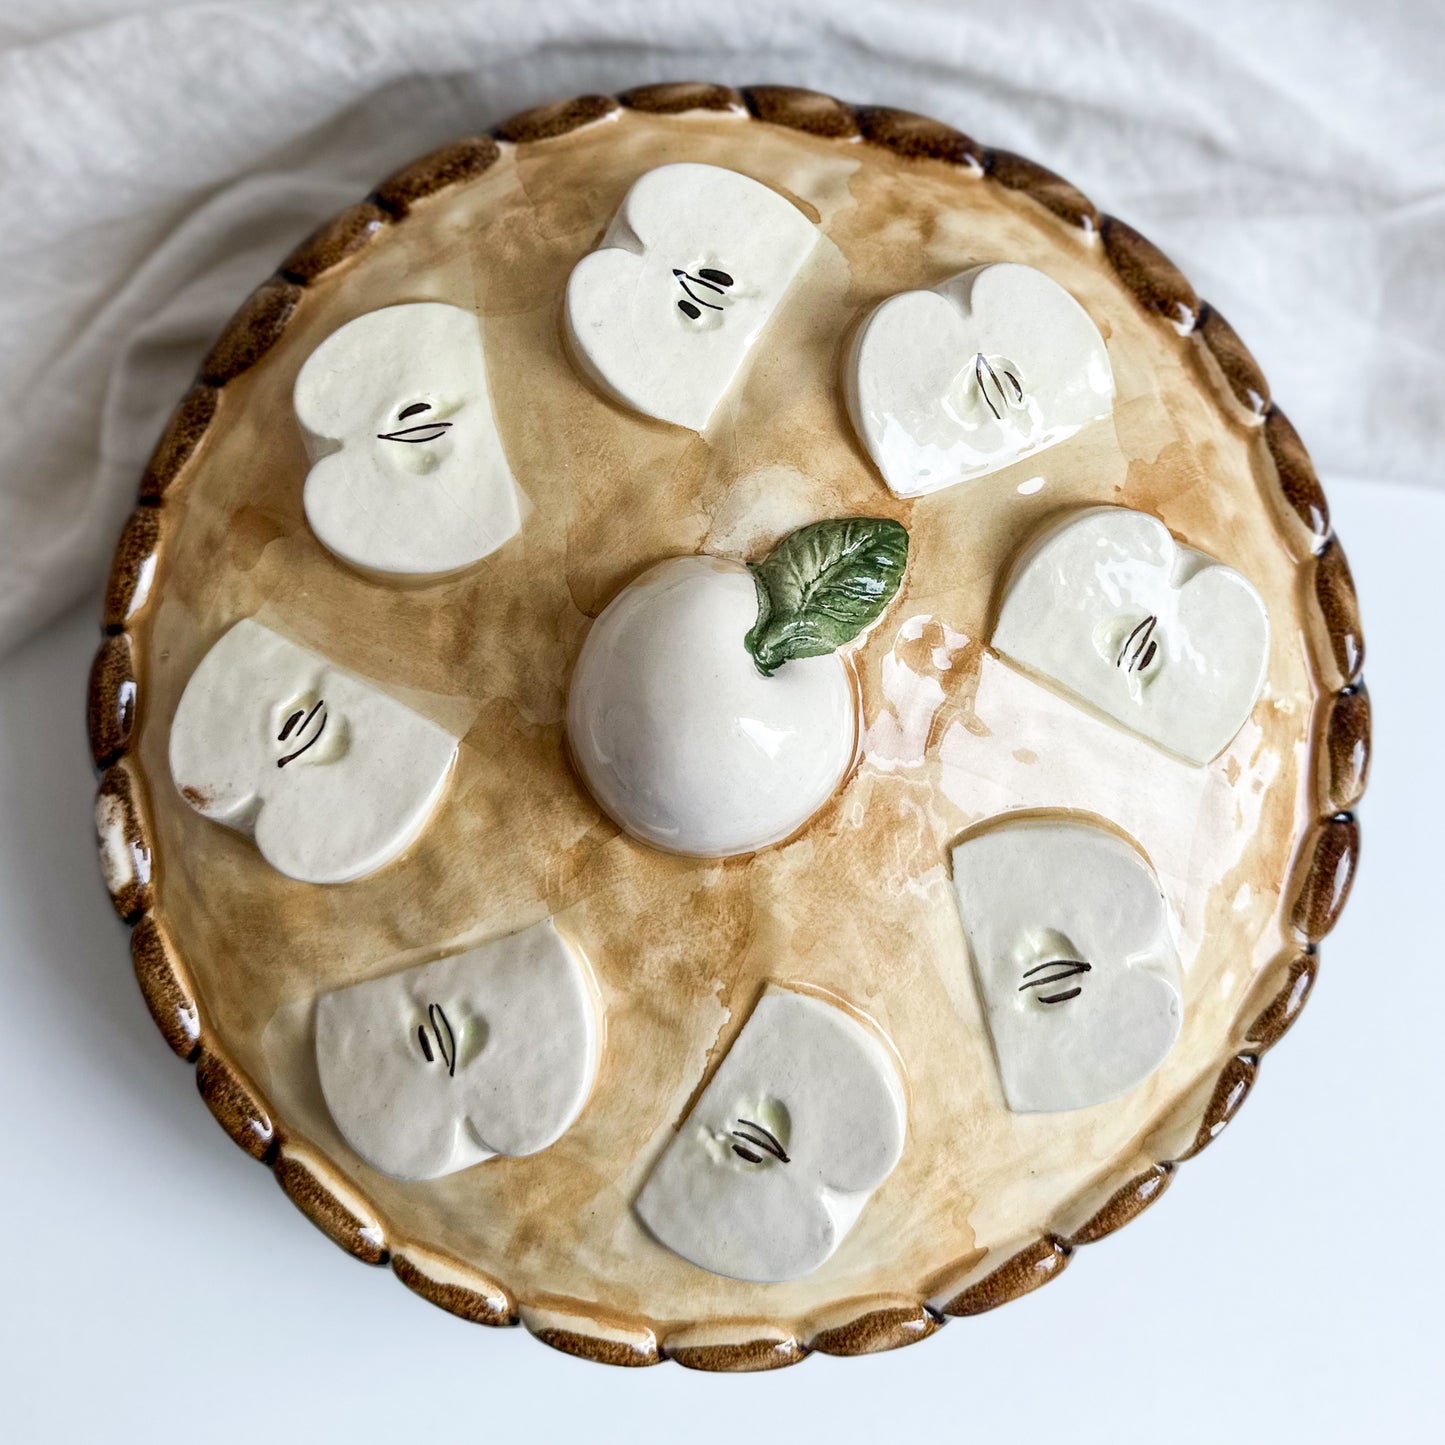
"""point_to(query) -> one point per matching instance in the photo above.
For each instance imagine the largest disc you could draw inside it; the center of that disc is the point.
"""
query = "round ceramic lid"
(728, 726)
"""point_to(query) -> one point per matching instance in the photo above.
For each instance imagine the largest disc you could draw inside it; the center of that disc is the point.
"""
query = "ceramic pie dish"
(728, 724)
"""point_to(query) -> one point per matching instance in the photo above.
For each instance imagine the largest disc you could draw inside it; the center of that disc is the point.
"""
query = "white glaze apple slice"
(803, 1120)
(442, 1066)
(1156, 636)
(409, 475)
(330, 775)
(1072, 948)
(993, 365)
(691, 269)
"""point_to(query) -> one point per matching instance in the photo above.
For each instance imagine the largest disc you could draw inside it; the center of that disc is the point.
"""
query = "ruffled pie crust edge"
(1323, 867)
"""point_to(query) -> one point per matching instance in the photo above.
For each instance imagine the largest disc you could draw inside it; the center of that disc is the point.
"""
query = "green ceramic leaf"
(822, 585)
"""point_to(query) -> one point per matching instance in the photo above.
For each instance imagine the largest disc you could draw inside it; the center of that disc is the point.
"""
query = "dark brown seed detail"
(1054, 193)
(237, 1109)
(1340, 609)
(1299, 484)
(463, 160)
(805, 110)
(252, 331)
(682, 95)
(1157, 283)
(877, 1331)
(1284, 1008)
(1125, 1203)
(748, 1357)
(1347, 748)
(602, 1351)
(1235, 360)
(326, 1211)
(1231, 1089)
(469, 1304)
(1332, 854)
(165, 988)
(547, 121)
(138, 541)
(917, 137)
(183, 435)
(338, 240)
(118, 800)
(111, 703)
(1021, 1275)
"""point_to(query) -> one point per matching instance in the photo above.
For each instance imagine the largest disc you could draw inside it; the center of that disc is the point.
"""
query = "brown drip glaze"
(749, 1356)
(260, 323)
(110, 712)
(1021, 1275)
(338, 240)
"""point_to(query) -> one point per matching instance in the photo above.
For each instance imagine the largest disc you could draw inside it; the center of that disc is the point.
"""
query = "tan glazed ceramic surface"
(1255, 851)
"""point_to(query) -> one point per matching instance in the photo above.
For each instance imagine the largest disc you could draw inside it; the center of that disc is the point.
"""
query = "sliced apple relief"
(1157, 636)
(331, 776)
(1073, 950)
(684, 721)
(995, 364)
(445, 1065)
(805, 1117)
(697, 259)
(409, 475)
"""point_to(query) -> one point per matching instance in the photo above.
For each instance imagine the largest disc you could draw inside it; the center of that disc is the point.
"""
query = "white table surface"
(158, 1285)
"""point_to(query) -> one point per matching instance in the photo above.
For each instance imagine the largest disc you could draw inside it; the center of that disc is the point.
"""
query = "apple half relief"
(439, 1067)
(331, 776)
(993, 365)
(710, 711)
(662, 316)
(1075, 960)
(408, 473)
(1162, 639)
(804, 1118)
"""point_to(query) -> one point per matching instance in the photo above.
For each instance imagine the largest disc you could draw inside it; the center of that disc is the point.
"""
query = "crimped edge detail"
(336, 1207)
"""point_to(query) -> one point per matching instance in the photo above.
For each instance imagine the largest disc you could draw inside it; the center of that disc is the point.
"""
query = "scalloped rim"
(1324, 862)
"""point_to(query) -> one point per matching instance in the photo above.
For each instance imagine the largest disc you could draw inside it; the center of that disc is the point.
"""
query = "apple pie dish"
(728, 725)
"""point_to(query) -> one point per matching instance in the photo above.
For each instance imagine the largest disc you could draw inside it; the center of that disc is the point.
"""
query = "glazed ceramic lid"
(728, 724)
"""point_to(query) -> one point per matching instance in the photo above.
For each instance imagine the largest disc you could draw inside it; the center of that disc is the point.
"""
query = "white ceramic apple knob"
(691, 269)
(1161, 638)
(993, 365)
(409, 475)
(331, 776)
(442, 1066)
(803, 1120)
(1075, 960)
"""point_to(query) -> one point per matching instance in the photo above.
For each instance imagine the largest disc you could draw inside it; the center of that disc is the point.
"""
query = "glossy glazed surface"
(860, 903)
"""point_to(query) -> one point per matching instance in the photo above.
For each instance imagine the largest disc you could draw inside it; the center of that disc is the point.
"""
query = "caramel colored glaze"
(449, 1288)
(234, 1103)
(1347, 749)
(337, 241)
(876, 1331)
(1332, 854)
(859, 902)
(452, 165)
(1021, 1275)
(1231, 1089)
(599, 1349)
(1052, 192)
(165, 988)
(546, 122)
(732, 1359)
(1128, 1202)
(1339, 610)
(1235, 360)
(110, 698)
(132, 568)
(1275, 1018)
(124, 838)
(917, 137)
(183, 434)
(251, 332)
(674, 97)
(1298, 484)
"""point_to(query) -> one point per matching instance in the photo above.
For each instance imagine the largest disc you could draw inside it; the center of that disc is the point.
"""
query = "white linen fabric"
(159, 159)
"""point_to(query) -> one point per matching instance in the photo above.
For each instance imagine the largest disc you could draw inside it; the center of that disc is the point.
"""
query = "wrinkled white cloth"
(159, 158)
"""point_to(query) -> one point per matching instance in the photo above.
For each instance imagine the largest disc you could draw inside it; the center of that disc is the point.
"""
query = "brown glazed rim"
(1324, 864)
